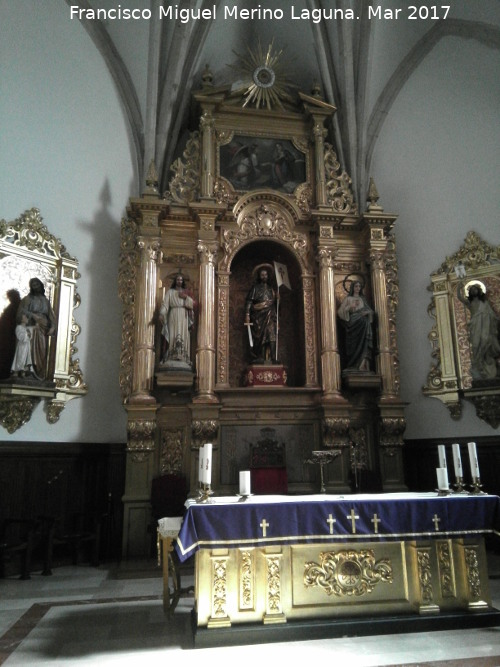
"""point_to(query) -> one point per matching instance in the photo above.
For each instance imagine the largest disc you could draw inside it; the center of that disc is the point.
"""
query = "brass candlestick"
(205, 493)
(459, 485)
(323, 457)
(476, 487)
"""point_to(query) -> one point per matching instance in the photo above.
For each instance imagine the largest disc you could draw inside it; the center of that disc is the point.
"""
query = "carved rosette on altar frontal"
(37, 327)
(235, 264)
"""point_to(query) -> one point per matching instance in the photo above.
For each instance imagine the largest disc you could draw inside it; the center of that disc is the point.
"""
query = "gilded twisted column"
(205, 353)
(330, 358)
(144, 334)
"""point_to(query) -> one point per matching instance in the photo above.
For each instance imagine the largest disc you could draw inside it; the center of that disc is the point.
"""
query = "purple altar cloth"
(272, 520)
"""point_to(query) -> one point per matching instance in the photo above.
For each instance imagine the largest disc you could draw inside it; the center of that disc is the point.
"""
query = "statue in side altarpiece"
(483, 331)
(177, 320)
(356, 317)
(37, 322)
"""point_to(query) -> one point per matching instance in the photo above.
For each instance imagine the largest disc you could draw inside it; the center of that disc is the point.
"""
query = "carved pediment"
(263, 218)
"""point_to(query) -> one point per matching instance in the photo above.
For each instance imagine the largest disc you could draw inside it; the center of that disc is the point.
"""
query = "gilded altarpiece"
(465, 336)
(39, 283)
(235, 204)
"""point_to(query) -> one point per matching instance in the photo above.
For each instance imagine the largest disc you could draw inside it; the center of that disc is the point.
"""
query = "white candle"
(201, 470)
(474, 463)
(245, 484)
(442, 479)
(208, 462)
(442, 456)
(457, 461)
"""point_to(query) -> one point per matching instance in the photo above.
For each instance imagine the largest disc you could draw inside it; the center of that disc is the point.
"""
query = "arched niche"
(265, 232)
(290, 310)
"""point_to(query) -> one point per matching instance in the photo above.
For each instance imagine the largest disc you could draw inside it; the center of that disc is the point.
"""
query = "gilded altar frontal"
(259, 304)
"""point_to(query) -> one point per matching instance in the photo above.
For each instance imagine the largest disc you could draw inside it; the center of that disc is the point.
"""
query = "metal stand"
(323, 457)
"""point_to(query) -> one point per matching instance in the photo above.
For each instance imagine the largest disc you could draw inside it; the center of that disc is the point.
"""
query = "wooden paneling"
(62, 480)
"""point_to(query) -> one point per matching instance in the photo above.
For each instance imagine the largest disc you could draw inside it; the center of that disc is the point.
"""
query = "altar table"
(273, 559)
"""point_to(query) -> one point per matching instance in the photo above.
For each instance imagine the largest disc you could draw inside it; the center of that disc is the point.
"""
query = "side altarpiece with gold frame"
(29, 252)
(215, 225)
(455, 374)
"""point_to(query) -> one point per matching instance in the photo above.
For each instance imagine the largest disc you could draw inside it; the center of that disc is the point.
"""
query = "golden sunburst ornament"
(267, 79)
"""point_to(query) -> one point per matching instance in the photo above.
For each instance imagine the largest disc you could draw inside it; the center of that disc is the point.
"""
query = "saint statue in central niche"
(261, 317)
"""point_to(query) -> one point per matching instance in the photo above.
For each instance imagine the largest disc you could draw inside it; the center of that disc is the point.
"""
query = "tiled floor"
(83, 616)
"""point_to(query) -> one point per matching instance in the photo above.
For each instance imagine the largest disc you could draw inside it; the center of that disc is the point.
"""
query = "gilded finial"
(151, 180)
(207, 77)
(316, 90)
(373, 197)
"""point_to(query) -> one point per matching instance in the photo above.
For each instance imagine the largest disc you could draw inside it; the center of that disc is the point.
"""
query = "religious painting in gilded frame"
(251, 163)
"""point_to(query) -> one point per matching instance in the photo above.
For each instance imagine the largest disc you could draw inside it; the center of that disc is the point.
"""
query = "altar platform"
(314, 563)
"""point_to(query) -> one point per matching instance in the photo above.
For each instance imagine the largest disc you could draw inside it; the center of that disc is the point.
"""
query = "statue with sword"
(262, 313)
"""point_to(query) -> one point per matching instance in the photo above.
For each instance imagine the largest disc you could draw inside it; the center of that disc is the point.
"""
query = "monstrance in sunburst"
(267, 79)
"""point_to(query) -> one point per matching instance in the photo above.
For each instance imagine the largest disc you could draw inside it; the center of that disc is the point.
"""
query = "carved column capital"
(319, 131)
(207, 251)
(207, 121)
(202, 431)
(391, 433)
(141, 438)
(149, 246)
(325, 256)
(377, 259)
(336, 432)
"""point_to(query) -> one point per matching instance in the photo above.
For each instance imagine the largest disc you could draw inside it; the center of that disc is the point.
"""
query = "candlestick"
(245, 482)
(457, 461)
(442, 456)
(442, 479)
(474, 463)
(208, 463)
(205, 493)
(476, 487)
(201, 470)
(443, 483)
